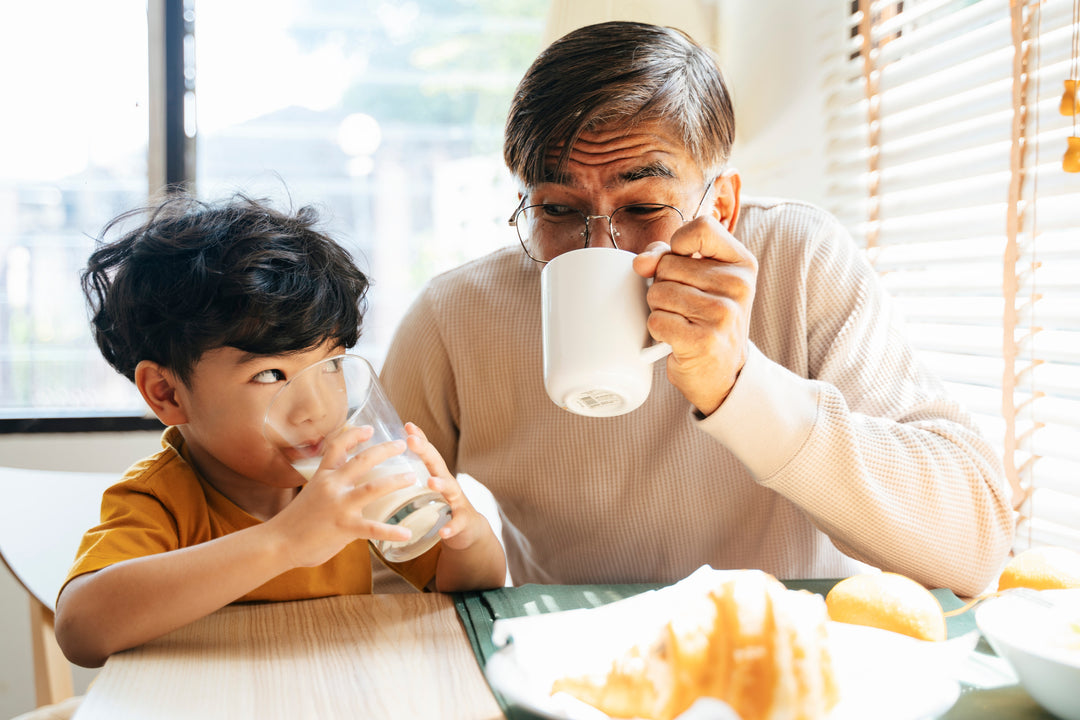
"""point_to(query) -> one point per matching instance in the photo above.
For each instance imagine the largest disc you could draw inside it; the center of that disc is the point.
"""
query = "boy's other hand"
(466, 524)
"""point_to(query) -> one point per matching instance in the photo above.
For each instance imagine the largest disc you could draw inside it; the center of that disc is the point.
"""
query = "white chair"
(43, 516)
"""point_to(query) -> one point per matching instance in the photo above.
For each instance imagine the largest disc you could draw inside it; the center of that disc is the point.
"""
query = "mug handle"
(653, 353)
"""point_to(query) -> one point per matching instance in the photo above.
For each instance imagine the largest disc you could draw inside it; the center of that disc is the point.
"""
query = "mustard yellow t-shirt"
(163, 504)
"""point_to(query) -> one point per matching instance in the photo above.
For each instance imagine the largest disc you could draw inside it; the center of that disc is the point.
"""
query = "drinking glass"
(341, 391)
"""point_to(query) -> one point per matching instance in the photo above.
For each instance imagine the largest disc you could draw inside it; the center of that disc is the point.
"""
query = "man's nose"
(601, 234)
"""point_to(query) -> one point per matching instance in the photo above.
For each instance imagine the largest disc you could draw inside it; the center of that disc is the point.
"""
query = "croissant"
(748, 641)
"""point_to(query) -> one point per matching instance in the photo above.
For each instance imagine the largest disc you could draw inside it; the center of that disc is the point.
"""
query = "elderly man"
(792, 429)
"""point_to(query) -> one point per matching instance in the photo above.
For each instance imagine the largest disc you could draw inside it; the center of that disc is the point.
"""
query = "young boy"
(209, 309)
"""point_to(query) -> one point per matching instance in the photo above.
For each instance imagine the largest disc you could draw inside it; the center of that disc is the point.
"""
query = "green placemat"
(479, 611)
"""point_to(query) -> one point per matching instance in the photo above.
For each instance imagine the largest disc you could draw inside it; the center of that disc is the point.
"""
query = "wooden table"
(374, 656)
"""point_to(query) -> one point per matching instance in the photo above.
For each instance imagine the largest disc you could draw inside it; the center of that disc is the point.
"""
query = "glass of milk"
(344, 391)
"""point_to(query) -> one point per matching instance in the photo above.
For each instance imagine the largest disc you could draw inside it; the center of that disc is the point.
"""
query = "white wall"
(769, 52)
(91, 452)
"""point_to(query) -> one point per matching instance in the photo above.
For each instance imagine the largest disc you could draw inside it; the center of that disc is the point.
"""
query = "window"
(386, 113)
(73, 153)
(945, 160)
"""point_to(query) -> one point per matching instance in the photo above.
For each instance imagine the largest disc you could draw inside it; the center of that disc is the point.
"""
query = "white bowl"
(1041, 644)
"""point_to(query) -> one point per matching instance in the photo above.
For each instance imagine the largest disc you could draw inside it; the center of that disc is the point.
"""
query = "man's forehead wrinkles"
(585, 154)
(622, 155)
(621, 146)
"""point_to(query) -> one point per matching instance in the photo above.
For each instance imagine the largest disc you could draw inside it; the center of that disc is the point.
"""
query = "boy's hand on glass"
(327, 514)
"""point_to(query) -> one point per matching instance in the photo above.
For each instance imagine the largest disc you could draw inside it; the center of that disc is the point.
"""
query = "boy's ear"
(726, 205)
(158, 386)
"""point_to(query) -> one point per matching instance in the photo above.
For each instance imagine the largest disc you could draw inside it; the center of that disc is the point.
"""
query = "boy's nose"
(307, 407)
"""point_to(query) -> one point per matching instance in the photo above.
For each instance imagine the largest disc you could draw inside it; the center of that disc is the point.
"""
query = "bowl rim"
(1000, 622)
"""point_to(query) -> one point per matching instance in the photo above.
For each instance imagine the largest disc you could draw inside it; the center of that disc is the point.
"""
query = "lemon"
(1042, 568)
(888, 601)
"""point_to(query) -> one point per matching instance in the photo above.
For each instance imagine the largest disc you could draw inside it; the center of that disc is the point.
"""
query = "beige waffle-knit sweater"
(834, 446)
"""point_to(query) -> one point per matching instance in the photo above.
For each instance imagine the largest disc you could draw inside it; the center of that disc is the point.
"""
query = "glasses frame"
(587, 219)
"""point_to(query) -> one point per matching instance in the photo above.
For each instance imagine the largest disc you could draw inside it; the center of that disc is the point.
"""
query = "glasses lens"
(548, 231)
(635, 226)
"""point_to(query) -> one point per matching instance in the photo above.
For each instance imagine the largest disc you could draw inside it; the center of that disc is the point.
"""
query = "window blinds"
(944, 159)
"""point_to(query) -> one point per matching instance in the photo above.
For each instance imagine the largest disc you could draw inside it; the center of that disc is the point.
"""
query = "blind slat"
(918, 36)
(958, 105)
(910, 15)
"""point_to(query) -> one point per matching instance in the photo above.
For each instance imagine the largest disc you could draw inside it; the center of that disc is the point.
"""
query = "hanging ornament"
(1070, 104)
(1071, 161)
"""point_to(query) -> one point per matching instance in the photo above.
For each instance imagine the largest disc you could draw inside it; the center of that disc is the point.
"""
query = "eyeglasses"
(548, 230)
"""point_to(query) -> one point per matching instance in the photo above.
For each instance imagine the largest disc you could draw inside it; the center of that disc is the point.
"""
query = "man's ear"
(158, 386)
(726, 205)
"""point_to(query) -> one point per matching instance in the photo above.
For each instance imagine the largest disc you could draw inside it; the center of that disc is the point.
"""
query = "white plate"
(881, 675)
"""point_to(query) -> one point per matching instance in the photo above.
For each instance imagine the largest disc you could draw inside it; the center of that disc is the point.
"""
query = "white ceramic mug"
(594, 313)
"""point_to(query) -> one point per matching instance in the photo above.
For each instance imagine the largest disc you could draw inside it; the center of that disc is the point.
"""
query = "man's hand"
(701, 297)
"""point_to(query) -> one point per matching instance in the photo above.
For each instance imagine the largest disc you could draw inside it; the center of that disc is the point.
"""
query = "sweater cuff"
(767, 417)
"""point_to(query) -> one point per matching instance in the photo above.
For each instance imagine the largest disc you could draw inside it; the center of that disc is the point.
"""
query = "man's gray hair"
(622, 73)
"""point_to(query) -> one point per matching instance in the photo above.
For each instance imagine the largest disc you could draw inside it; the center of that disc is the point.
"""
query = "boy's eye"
(269, 376)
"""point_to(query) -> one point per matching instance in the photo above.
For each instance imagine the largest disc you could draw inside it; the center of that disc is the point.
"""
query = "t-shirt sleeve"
(133, 524)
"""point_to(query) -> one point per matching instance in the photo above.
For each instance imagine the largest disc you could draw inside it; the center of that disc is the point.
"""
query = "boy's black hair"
(197, 276)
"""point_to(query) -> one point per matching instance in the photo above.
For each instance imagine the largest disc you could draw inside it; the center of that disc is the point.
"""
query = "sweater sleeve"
(868, 444)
